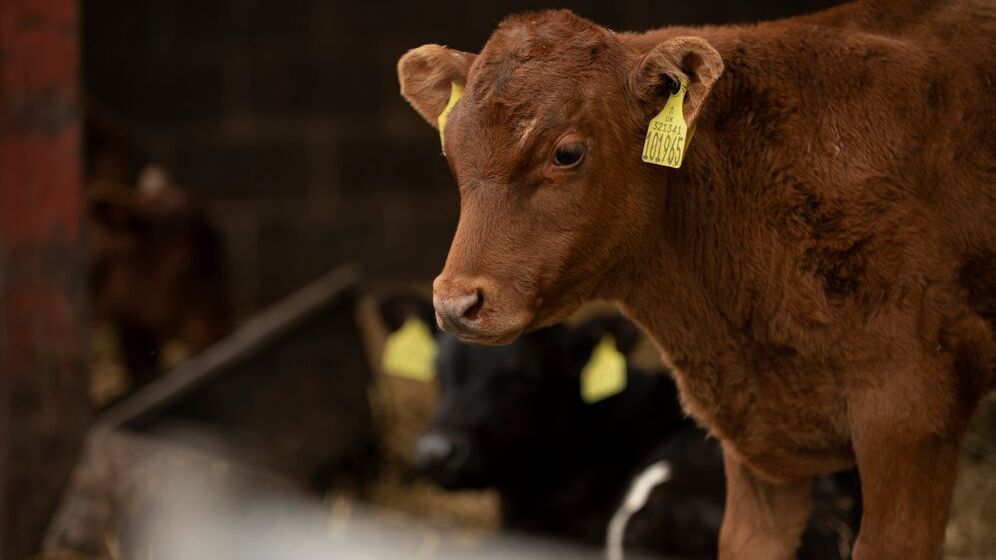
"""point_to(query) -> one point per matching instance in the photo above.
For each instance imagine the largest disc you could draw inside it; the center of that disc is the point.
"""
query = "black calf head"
(498, 404)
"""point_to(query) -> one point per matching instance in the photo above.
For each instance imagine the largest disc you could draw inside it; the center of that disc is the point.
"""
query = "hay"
(971, 531)
(402, 409)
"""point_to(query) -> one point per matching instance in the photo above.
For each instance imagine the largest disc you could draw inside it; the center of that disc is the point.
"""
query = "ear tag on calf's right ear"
(410, 351)
(455, 92)
(668, 135)
(605, 373)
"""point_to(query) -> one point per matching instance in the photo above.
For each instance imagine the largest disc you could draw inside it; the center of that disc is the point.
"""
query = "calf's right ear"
(426, 73)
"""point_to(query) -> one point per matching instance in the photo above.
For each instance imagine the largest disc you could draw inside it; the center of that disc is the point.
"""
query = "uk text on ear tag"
(605, 373)
(456, 90)
(410, 351)
(668, 135)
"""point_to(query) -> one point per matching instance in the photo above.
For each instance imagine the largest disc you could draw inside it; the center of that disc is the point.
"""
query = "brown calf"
(821, 269)
(157, 270)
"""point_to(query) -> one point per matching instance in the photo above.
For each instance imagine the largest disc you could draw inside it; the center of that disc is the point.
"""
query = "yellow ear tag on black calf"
(456, 91)
(668, 135)
(605, 373)
(410, 351)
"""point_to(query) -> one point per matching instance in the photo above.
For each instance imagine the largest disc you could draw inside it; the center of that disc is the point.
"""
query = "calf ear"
(690, 58)
(426, 73)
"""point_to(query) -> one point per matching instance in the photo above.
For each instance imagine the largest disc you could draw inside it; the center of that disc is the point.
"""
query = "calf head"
(545, 145)
(501, 405)
(493, 401)
(496, 403)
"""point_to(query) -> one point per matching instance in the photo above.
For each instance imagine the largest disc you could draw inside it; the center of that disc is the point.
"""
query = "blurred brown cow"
(157, 270)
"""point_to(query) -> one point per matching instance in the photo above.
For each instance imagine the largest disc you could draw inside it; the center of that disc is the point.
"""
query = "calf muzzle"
(442, 457)
(458, 309)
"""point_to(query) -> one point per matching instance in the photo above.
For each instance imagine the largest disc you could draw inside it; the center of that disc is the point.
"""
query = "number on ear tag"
(410, 351)
(605, 373)
(668, 135)
(455, 92)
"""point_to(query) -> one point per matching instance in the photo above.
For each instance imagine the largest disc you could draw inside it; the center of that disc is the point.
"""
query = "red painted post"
(43, 336)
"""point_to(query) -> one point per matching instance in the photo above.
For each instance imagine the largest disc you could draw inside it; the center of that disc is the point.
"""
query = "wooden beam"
(256, 335)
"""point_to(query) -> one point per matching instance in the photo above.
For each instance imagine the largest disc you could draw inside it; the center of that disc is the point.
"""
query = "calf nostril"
(433, 449)
(471, 312)
(459, 313)
(466, 308)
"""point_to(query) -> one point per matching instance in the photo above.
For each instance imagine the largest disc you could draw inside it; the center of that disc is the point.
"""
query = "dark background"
(284, 117)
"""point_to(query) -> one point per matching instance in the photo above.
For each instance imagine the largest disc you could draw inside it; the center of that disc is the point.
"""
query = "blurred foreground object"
(153, 498)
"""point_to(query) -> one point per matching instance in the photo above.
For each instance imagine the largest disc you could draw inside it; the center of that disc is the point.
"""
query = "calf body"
(821, 269)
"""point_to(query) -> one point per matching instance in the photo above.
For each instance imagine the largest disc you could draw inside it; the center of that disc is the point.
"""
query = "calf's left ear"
(692, 59)
(426, 73)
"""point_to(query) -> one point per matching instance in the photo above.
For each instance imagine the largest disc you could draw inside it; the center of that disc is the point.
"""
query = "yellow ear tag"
(605, 373)
(456, 91)
(410, 351)
(668, 135)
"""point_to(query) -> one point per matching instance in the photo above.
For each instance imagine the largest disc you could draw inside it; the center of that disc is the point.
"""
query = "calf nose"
(459, 312)
(436, 452)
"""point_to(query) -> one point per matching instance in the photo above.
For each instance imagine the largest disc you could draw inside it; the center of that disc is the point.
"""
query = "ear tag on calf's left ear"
(410, 351)
(455, 92)
(605, 373)
(668, 135)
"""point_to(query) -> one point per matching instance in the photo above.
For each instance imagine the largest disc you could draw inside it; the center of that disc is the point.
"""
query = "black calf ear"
(592, 331)
(398, 307)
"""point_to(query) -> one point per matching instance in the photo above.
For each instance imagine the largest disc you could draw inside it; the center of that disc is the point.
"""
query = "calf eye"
(569, 155)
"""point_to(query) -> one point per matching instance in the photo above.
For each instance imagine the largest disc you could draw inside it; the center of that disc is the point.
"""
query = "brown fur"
(820, 271)
(157, 271)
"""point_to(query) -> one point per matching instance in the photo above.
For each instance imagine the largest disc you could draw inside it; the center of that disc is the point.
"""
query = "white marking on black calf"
(639, 491)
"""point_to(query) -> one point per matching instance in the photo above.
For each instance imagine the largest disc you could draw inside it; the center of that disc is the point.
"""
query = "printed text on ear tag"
(410, 351)
(605, 373)
(668, 135)
(455, 92)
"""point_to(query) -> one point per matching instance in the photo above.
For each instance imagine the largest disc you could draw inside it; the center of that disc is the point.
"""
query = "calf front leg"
(762, 519)
(907, 457)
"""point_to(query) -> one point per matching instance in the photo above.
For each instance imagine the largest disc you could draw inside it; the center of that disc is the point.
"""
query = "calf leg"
(762, 519)
(907, 478)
